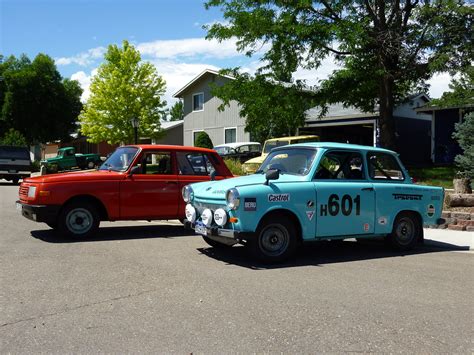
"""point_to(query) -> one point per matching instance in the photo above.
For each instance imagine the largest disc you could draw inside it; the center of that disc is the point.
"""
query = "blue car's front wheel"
(275, 240)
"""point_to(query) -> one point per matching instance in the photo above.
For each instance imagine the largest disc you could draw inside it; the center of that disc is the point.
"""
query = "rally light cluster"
(219, 216)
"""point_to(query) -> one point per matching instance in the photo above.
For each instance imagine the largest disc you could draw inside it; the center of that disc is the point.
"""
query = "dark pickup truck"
(15, 163)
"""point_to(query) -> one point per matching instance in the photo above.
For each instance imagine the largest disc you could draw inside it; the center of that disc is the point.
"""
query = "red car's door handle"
(171, 182)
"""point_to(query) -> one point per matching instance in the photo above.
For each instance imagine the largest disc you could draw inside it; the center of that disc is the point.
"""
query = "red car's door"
(153, 192)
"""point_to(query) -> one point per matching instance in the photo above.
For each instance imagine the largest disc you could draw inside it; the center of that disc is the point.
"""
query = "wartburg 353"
(314, 191)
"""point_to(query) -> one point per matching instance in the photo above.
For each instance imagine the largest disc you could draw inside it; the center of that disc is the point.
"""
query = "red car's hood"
(77, 176)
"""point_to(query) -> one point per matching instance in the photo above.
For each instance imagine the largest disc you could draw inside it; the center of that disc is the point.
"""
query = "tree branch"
(335, 51)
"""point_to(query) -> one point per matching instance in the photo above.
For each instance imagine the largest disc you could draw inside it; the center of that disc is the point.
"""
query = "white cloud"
(439, 83)
(85, 82)
(189, 47)
(82, 59)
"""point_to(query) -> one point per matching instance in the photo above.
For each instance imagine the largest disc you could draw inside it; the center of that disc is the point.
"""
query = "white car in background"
(241, 151)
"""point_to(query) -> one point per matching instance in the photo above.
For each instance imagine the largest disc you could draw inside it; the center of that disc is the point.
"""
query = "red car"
(138, 182)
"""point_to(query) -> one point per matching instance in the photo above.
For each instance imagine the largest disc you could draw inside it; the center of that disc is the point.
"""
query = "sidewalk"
(445, 238)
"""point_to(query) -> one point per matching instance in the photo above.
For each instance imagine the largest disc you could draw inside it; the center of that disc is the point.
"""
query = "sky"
(168, 33)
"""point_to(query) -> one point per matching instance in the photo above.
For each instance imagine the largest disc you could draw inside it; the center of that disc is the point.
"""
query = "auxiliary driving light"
(206, 217)
(220, 216)
(190, 212)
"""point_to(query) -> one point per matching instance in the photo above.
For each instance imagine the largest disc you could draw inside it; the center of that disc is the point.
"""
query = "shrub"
(13, 137)
(204, 141)
(464, 134)
(235, 166)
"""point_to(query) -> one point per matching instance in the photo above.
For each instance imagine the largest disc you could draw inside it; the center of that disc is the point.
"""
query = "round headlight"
(206, 217)
(187, 193)
(220, 216)
(233, 199)
(190, 212)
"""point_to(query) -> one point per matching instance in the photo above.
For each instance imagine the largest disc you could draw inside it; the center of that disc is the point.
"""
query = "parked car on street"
(314, 191)
(15, 163)
(242, 151)
(251, 166)
(137, 182)
(67, 159)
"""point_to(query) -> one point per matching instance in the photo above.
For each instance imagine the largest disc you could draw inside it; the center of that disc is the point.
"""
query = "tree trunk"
(386, 121)
(462, 186)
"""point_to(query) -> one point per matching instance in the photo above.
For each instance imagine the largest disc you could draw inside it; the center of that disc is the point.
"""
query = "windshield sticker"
(310, 214)
(410, 197)
(278, 197)
(250, 204)
(382, 221)
(431, 211)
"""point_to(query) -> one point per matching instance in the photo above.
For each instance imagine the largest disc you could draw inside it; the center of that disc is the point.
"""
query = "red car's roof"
(174, 147)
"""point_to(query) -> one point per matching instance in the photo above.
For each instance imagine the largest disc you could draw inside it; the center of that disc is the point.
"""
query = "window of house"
(198, 102)
(384, 167)
(230, 135)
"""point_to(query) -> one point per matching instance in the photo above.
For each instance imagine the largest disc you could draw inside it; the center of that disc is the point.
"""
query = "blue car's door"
(345, 198)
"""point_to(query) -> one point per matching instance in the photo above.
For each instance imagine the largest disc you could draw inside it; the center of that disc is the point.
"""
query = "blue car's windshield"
(120, 160)
(295, 161)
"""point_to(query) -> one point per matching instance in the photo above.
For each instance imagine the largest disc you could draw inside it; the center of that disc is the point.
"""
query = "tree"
(204, 141)
(36, 101)
(270, 109)
(462, 91)
(177, 111)
(464, 134)
(123, 88)
(13, 137)
(387, 49)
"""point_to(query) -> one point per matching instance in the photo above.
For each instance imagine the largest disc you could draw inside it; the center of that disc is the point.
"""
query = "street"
(153, 287)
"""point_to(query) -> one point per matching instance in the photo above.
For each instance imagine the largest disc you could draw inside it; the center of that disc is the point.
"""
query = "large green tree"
(271, 108)
(124, 88)
(176, 111)
(36, 101)
(387, 49)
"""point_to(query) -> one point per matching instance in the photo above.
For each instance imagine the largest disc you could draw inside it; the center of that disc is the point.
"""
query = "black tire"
(406, 232)
(216, 244)
(15, 181)
(78, 220)
(275, 240)
(90, 165)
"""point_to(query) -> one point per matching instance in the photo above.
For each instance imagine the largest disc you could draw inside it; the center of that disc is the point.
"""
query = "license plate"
(200, 228)
(12, 171)
(18, 206)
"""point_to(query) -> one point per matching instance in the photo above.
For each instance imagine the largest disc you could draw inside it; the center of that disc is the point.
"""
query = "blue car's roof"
(333, 145)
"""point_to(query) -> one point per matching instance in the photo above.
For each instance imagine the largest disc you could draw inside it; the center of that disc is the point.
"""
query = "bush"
(13, 137)
(464, 134)
(235, 166)
(204, 141)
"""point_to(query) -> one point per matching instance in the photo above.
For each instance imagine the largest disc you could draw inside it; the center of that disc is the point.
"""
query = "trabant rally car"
(314, 191)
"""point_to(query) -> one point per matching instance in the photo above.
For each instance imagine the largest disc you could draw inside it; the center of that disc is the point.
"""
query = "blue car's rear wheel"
(406, 232)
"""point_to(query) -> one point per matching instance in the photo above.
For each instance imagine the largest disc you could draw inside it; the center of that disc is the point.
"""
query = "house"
(351, 125)
(443, 147)
(173, 133)
(339, 124)
(201, 112)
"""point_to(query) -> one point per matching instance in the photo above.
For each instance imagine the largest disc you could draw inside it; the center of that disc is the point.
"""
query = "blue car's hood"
(216, 190)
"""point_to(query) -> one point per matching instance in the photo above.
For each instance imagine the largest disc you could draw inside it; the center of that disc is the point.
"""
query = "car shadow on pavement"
(322, 253)
(116, 233)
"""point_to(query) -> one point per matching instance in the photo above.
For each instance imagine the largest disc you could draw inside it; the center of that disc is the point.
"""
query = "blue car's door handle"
(368, 189)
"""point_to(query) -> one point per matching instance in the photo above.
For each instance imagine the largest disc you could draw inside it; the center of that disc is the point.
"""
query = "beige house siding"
(210, 119)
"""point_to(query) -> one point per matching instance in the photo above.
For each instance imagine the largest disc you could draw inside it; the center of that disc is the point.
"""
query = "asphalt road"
(151, 287)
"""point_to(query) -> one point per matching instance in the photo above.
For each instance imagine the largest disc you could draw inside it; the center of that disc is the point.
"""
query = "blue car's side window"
(384, 166)
(340, 165)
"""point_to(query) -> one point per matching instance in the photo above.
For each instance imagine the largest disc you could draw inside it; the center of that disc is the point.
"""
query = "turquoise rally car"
(314, 191)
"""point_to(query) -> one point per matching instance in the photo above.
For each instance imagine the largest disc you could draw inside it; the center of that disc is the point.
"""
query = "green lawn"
(434, 176)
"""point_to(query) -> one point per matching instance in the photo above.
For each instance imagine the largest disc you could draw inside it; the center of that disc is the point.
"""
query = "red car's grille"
(23, 192)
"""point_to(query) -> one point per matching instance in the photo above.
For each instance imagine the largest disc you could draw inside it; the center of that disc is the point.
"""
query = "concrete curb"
(449, 239)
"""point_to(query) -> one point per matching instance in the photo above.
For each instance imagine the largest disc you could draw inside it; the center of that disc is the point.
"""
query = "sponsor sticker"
(409, 197)
(310, 214)
(382, 221)
(278, 197)
(366, 227)
(430, 211)
(310, 203)
(250, 204)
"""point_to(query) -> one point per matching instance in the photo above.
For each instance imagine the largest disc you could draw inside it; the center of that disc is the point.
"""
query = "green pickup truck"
(68, 159)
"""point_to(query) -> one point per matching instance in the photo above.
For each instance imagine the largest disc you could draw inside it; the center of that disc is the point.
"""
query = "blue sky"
(168, 33)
